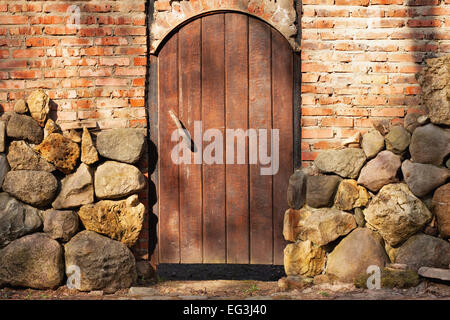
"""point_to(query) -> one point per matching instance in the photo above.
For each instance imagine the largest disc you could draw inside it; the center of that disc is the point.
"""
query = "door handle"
(187, 136)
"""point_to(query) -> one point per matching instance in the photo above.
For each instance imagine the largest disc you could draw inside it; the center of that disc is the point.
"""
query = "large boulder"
(423, 178)
(441, 208)
(116, 180)
(33, 261)
(24, 127)
(435, 83)
(303, 259)
(396, 213)
(296, 191)
(38, 104)
(4, 168)
(60, 151)
(350, 195)
(60, 225)
(320, 190)
(37, 188)
(372, 143)
(359, 250)
(16, 219)
(124, 144)
(21, 106)
(120, 220)
(77, 189)
(22, 157)
(320, 226)
(398, 139)
(104, 264)
(345, 162)
(430, 144)
(422, 250)
(2, 136)
(89, 154)
(380, 171)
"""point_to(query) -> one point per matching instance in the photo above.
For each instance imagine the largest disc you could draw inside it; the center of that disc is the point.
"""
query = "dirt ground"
(237, 290)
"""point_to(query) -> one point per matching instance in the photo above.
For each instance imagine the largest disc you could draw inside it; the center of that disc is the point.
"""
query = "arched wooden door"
(229, 71)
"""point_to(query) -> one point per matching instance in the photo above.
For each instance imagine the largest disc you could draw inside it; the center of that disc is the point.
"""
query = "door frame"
(152, 114)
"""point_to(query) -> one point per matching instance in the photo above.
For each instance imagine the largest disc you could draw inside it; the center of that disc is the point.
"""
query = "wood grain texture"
(237, 175)
(213, 117)
(260, 117)
(190, 174)
(169, 232)
(282, 119)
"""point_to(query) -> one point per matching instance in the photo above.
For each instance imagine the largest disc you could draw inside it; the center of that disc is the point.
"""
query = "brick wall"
(359, 60)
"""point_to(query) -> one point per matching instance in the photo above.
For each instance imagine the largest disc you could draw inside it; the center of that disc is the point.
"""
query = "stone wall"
(382, 200)
(68, 201)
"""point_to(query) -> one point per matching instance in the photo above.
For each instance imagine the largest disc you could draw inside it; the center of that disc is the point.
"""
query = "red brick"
(3, 7)
(130, 31)
(60, 73)
(111, 82)
(41, 42)
(4, 54)
(137, 102)
(317, 111)
(139, 82)
(75, 83)
(89, 7)
(97, 51)
(138, 71)
(100, 72)
(111, 41)
(12, 84)
(386, 2)
(423, 23)
(25, 74)
(13, 19)
(66, 41)
(352, 112)
(388, 112)
(309, 156)
(308, 122)
(114, 61)
(317, 133)
(337, 122)
(12, 64)
(56, 7)
(96, 32)
(327, 145)
(28, 53)
(412, 90)
(352, 2)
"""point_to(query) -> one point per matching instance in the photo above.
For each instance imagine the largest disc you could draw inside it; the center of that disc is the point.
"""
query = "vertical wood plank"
(282, 87)
(260, 117)
(190, 174)
(213, 116)
(236, 89)
(168, 180)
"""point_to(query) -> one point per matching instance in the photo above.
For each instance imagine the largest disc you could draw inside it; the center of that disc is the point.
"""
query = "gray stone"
(320, 226)
(143, 291)
(435, 83)
(296, 191)
(20, 106)
(359, 217)
(16, 219)
(396, 213)
(24, 127)
(104, 264)
(345, 162)
(435, 273)
(441, 209)
(357, 251)
(430, 144)
(380, 171)
(397, 140)
(77, 189)
(350, 195)
(60, 225)
(38, 104)
(2, 136)
(423, 178)
(22, 157)
(37, 188)
(33, 261)
(89, 154)
(372, 143)
(410, 122)
(4, 168)
(320, 190)
(124, 145)
(116, 180)
(382, 126)
(303, 259)
(424, 251)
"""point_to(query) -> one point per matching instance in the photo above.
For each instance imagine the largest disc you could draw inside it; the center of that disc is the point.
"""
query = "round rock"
(124, 144)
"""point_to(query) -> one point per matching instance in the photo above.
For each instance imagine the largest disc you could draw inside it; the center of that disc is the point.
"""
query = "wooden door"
(229, 71)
